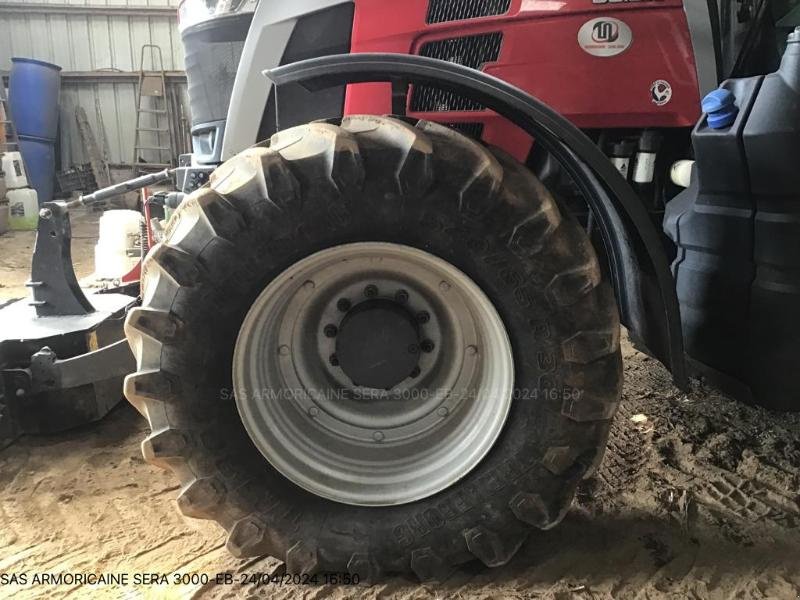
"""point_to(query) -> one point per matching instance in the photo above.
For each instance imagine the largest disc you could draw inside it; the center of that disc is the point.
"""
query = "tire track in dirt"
(696, 498)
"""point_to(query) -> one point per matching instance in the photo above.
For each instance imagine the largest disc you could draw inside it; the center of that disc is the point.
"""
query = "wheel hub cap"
(378, 344)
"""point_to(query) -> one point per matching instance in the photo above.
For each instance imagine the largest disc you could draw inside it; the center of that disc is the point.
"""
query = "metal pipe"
(87, 77)
(89, 9)
(122, 188)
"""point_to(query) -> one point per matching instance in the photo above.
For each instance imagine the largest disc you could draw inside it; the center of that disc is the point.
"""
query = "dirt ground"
(698, 497)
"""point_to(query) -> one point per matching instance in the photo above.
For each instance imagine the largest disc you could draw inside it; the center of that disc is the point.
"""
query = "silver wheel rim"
(360, 445)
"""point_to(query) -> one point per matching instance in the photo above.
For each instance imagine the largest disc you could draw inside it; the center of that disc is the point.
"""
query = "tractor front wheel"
(375, 346)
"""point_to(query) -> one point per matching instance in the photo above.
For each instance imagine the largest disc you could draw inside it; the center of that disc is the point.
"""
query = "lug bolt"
(401, 296)
(423, 317)
(330, 331)
(415, 372)
(427, 346)
(343, 304)
(334, 360)
(413, 349)
(371, 291)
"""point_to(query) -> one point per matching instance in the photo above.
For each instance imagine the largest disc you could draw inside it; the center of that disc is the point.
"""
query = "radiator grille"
(472, 51)
(473, 130)
(441, 11)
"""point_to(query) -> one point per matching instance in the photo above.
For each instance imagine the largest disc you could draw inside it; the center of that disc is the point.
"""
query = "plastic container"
(40, 161)
(118, 248)
(23, 206)
(772, 145)
(737, 229)
(14, 169)
(33, 94)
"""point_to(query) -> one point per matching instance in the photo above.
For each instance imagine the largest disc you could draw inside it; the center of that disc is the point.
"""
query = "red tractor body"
(568, 53)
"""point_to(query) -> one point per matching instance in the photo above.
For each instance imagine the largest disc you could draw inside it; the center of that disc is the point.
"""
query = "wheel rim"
(358, 442)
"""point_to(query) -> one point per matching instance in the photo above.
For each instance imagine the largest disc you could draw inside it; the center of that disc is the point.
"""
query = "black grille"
(473, 51)
(473, 130)
(441, 11)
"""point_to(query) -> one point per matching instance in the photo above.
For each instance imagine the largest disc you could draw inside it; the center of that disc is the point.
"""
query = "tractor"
(391, 344)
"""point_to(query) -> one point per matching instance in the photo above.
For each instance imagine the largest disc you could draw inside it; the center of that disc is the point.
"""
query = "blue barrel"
(40, 162)
(33, 90)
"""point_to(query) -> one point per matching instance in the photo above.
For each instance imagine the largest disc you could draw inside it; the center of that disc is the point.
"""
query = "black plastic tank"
(737, 231)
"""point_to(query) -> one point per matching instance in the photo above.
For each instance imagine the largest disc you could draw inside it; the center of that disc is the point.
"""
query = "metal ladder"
(153, 85)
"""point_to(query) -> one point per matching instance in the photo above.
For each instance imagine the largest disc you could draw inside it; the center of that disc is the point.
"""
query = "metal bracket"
(50, 373)
(55, 288)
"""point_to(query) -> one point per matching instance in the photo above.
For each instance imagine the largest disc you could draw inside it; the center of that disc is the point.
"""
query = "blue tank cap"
(721, 109)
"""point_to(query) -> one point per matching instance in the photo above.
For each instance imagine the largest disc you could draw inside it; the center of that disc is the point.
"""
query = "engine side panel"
(651, 82)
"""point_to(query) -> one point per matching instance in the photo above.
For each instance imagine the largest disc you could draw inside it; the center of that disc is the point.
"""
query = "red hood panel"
(652, 82)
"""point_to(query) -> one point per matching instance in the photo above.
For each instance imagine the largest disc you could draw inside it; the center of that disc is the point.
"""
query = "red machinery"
(534, 46)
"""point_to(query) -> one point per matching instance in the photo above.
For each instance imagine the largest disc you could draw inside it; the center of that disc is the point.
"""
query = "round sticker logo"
(605, 37)
(661, 92)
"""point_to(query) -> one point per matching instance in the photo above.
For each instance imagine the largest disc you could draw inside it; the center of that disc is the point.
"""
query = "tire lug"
(423, 317)
(401, 296)
(343, 304)
(371, 291)
(378, 436)
(415, 372)
(334, 360)
(427, 346)
(330, 331)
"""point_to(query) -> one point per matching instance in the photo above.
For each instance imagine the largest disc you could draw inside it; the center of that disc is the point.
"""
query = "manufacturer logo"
(605, 37)
(661, 92)
(605, 31)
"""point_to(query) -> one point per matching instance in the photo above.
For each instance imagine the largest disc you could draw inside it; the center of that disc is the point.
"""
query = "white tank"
(23, 208)
(681, 173)
(119, 246)
(14, 170)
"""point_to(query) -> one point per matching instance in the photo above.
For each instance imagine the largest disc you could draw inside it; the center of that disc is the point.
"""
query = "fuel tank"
(737, 229)
(602, 65)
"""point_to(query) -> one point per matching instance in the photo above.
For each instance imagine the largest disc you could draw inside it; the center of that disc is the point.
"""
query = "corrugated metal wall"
(98, 45)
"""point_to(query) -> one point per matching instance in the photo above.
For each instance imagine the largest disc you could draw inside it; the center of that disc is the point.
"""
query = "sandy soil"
(698, 497)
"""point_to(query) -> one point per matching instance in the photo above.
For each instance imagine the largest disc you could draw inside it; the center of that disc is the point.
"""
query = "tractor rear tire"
(376, 179)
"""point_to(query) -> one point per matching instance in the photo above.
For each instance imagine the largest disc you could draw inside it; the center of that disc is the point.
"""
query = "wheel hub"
(389, 324)
(378, 344)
